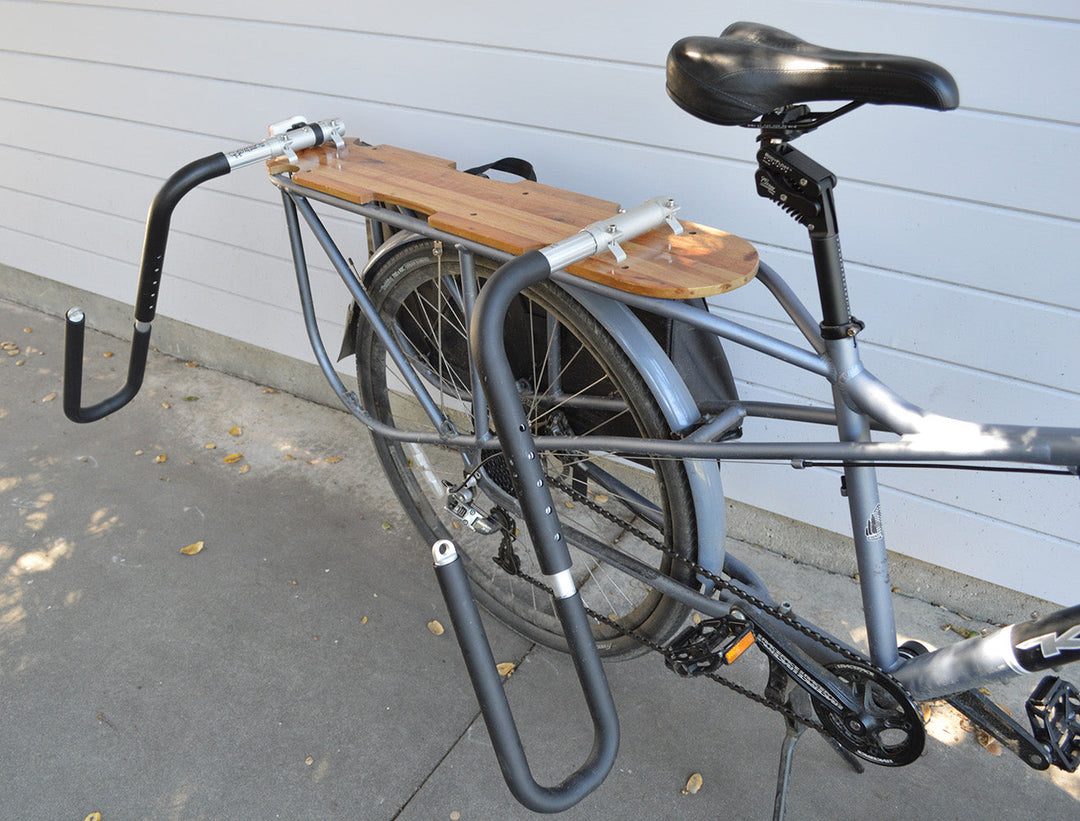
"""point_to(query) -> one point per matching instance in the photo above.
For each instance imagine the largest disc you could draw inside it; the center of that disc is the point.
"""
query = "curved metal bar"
(286, 137)
(792, 305)
(475, 649)
(153, 258)
(487, 341)
(698, 318)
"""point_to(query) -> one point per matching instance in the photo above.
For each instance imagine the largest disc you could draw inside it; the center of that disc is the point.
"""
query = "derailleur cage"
(507, 559)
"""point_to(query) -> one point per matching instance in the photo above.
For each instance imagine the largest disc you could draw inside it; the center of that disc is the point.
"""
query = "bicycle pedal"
(1054, 711)
(703, 647)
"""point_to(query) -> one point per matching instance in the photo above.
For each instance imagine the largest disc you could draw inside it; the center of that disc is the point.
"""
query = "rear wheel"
(574, 380)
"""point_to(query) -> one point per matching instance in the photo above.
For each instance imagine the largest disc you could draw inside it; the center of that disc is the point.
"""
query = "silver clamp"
(287, 137)
(606, 234)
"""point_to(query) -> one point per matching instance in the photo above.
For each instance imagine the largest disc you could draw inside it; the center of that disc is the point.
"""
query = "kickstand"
(799, 701)
(783, 778)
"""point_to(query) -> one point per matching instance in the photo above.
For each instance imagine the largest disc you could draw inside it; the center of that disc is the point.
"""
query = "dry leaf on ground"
(236, 430)
(50, 397)
(693, 784)
(506, 668)
(233, 458)
(192, 549)
(436, 627)
(988, 742)
(161, 457)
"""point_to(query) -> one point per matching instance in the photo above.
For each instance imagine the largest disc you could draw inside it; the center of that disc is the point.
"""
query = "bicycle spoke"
(571, 386)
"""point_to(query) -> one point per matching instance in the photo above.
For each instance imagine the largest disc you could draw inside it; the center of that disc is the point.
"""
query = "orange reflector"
(739, 647)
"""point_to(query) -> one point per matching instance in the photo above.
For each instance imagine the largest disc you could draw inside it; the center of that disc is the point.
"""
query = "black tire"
(418, 296)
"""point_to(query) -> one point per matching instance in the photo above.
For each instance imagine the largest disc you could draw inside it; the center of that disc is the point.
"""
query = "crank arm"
(986, 715)
(804, 671)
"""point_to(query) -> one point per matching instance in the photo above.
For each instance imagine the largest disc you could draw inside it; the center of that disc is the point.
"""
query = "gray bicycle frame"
(861, 403)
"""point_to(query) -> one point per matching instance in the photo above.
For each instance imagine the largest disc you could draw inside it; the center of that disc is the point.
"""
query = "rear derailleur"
(459, 501)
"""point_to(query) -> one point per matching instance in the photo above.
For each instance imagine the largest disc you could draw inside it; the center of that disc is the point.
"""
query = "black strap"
(510, 165)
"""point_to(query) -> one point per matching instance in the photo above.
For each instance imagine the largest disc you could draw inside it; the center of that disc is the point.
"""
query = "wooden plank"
(523, 216)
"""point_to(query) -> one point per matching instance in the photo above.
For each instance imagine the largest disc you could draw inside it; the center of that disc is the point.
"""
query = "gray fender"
(663, 380)
(398, 240)
(679, 409)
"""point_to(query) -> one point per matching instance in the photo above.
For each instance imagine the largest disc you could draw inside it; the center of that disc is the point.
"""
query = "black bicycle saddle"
(752, 69)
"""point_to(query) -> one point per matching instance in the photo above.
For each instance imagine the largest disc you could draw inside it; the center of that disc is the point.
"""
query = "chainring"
(888, 730)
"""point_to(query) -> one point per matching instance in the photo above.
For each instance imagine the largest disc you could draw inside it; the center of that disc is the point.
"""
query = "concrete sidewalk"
(287, 670)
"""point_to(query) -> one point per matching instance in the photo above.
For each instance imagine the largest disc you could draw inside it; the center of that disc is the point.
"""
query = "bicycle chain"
(770, 610)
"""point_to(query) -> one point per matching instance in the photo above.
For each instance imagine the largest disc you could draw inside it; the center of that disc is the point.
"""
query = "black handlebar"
(157, 226)
(74, 332)
(153, 258)
(286, 138)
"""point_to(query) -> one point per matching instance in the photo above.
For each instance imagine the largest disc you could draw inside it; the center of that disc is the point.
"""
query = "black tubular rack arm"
(487, 342)
(286, 138)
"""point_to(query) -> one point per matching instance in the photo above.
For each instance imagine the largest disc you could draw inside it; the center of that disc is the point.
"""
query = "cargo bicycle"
(545, 379)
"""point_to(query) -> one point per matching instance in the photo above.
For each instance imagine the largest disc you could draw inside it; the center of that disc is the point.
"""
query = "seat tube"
(864, 506)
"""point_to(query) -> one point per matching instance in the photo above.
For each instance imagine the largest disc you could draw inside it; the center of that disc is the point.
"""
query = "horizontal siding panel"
(954, 224)
(926, 151)
(945, 35)
(1043, 505)
(1051, 9)
(211, 214)
(947, 323)
(925, 530)
(236, 316)
(262, 279)
(934, 386)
